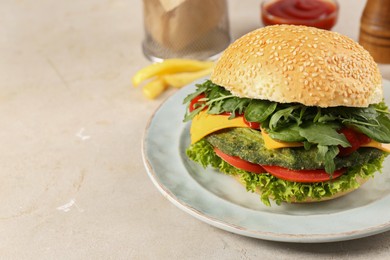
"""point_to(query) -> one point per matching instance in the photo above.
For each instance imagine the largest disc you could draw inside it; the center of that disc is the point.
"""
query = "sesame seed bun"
(287, 63)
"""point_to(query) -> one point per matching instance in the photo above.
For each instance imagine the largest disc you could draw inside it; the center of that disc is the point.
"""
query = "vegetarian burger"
(295, 113)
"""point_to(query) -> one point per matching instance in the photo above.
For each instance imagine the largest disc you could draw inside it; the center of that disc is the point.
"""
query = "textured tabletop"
(72, 181)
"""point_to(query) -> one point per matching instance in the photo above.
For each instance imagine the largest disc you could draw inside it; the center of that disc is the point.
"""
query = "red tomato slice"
(308, 176)
(356, 140)
(239, 163)
(195, 103)
(253, 125)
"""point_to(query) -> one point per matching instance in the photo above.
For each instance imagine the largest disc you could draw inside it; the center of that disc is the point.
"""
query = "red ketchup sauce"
(316, 13)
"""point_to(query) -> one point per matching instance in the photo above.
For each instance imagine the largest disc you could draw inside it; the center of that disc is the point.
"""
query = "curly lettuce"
(272, 188)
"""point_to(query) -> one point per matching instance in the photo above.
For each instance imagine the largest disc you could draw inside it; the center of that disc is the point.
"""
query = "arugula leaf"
(277, 116)
(318, 115)
(235, 105)
(301, 115)
(380, 133)
(259, 110)
(215, 105)
(329, 158)
(323, 134)
(191, 115)
(364, 114)
(215, 92)
(322, 150)
(327, 154)
(326, 118)
(307, 145)
(215, 108)
(381, 108)
(200, 89)
(288, 134)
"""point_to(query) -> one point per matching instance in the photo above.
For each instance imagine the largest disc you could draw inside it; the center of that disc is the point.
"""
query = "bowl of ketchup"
(316, 13)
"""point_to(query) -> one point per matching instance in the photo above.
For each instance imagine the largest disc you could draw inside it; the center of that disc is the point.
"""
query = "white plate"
(221, 201)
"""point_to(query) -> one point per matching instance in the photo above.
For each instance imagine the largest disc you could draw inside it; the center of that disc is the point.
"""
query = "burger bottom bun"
(359, 180)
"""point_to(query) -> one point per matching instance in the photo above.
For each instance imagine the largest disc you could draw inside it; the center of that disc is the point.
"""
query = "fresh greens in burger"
(279, 190)
(278, 117)
(296, 122)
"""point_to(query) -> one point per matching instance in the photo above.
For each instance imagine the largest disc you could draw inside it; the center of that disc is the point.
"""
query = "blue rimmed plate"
(221, 201)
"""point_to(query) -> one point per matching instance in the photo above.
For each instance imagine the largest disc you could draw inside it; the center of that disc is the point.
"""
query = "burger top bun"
(287, 63)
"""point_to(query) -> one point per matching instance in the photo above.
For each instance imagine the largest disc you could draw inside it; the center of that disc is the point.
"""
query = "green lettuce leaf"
(279, 190)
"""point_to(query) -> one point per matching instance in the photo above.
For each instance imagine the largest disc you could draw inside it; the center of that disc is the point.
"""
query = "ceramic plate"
(221, 201)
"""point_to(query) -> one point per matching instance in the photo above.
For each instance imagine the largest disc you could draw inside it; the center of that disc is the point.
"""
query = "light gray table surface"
(72, 181)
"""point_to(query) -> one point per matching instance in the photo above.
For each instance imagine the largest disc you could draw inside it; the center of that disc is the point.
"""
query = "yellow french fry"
(179, 80)
(154, 88)
(169, 66)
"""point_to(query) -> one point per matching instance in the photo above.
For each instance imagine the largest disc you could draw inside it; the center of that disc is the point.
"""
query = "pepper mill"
(375, 29)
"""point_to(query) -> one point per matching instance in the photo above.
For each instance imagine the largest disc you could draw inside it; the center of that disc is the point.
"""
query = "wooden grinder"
(375, 29)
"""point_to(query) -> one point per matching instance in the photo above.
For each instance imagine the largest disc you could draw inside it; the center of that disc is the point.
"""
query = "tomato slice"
(239, 163)
(253, 125)
(356, 140)
(307, 176)
(195, 103)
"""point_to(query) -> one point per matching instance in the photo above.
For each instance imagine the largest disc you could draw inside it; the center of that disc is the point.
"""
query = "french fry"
(179, 80)
(169, 66)
(154, 88)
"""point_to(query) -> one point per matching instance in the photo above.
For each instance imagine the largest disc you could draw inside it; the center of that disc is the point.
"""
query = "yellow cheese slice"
(204, 124)
(380, 146)
(270, 143)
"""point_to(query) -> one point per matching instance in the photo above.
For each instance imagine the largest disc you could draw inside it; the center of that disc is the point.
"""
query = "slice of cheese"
(204, 124)
(380, 146)
(274, 144)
